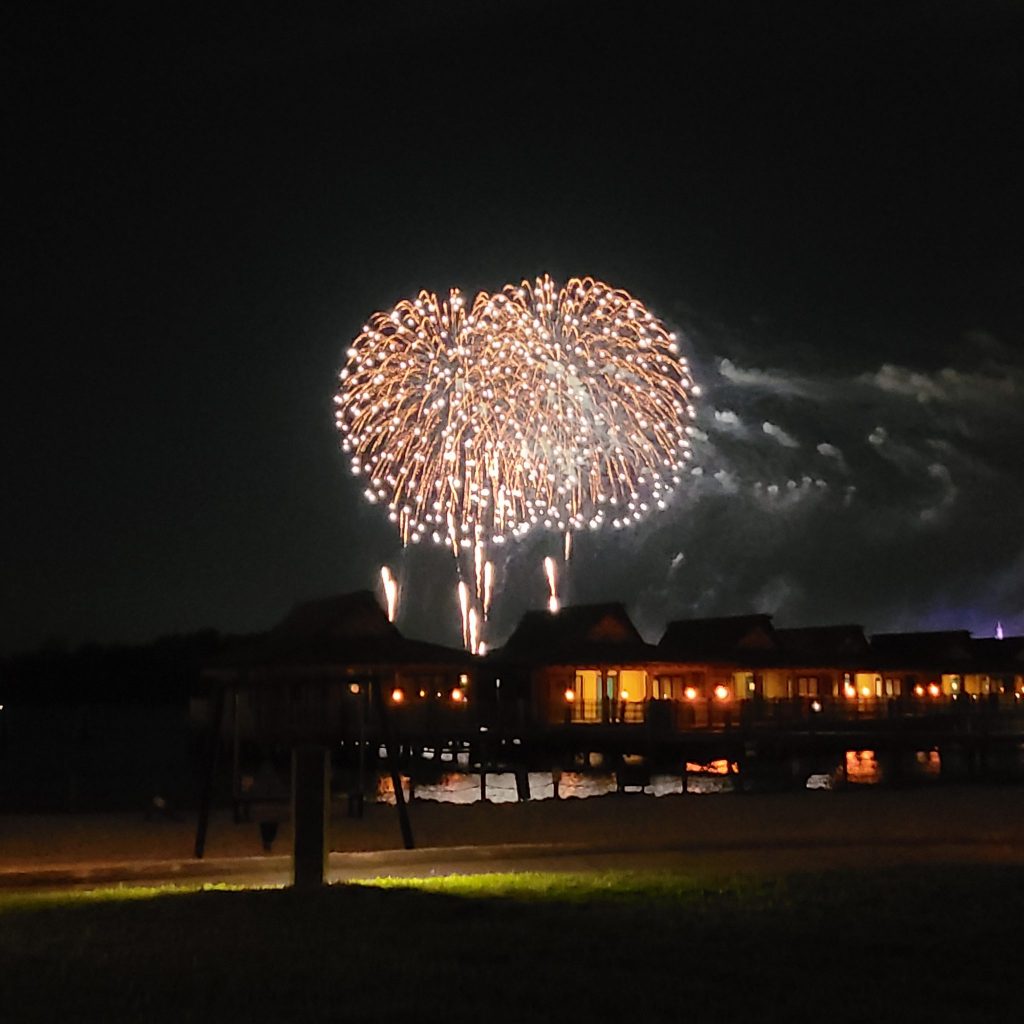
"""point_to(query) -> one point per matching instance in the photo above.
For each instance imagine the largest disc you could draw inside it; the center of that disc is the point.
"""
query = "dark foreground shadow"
(921, 944)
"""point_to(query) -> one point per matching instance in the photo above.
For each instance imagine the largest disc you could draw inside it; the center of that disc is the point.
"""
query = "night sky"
(824, 199)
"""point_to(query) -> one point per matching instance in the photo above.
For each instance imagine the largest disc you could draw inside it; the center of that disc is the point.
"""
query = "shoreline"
(972, 817)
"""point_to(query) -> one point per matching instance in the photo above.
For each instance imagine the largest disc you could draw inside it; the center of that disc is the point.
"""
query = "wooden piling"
(311, 793)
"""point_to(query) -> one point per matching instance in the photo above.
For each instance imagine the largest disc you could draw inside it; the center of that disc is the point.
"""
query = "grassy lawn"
(921, 944)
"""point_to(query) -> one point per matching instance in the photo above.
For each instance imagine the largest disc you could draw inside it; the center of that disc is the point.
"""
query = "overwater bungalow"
(589, 665)
(310, 676)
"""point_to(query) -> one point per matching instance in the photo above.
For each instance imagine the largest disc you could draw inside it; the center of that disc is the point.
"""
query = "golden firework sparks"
(539, 406)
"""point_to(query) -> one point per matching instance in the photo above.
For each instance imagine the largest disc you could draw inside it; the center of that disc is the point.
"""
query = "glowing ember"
(390, 592)
(488, 586)
(552, 576)
(463, 592)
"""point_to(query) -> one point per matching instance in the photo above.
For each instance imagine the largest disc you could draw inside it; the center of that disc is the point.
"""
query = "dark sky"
(826, 199)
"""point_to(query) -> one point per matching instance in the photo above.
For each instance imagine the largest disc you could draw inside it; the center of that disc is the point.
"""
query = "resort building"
(589, 664)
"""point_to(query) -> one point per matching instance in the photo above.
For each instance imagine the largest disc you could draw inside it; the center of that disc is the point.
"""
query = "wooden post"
(396, 776)
(236, 772)
(207, 794)
(311, 793)
(362, 699)
(522, 783)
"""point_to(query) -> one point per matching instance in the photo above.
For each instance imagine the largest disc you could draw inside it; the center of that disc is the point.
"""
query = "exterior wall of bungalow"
(700, 693)
(622, 693)
(268, 703)
(983, 684)
(607, 693)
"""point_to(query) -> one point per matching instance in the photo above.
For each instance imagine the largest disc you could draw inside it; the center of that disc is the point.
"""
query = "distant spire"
(999, 631)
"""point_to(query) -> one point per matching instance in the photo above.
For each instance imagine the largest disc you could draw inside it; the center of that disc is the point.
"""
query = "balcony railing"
(713, 713)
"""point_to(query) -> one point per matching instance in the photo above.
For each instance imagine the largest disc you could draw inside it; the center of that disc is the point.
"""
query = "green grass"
(935, 944)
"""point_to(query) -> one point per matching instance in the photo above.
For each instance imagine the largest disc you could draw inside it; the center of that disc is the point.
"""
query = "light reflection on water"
(464, 787)
(862, 767)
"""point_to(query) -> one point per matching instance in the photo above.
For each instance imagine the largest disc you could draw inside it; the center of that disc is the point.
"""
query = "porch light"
(625, 694)
(397, 695)
(721, 692)
(865, 691)
(458, 696)
(919, 690)
(815, 705)
(933, 690)
(353, 687)
(849, 690)
(569, 695)
(690, 693)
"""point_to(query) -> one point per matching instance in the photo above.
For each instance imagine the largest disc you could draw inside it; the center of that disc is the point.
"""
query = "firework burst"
(565, 408)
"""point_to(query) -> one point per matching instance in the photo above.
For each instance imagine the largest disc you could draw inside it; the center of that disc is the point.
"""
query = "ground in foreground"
(936, 944)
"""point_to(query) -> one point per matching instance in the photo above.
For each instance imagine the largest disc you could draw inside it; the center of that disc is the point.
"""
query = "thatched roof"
(749, 638)
(596, 634)
(348, 631)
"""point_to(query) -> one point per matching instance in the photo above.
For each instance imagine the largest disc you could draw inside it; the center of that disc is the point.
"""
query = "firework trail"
(488, 587)
(539, 406)
(552, 576)
(463, 594)
(390, 586)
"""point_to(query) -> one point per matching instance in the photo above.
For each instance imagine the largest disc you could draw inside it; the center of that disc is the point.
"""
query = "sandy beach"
(799, 830)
